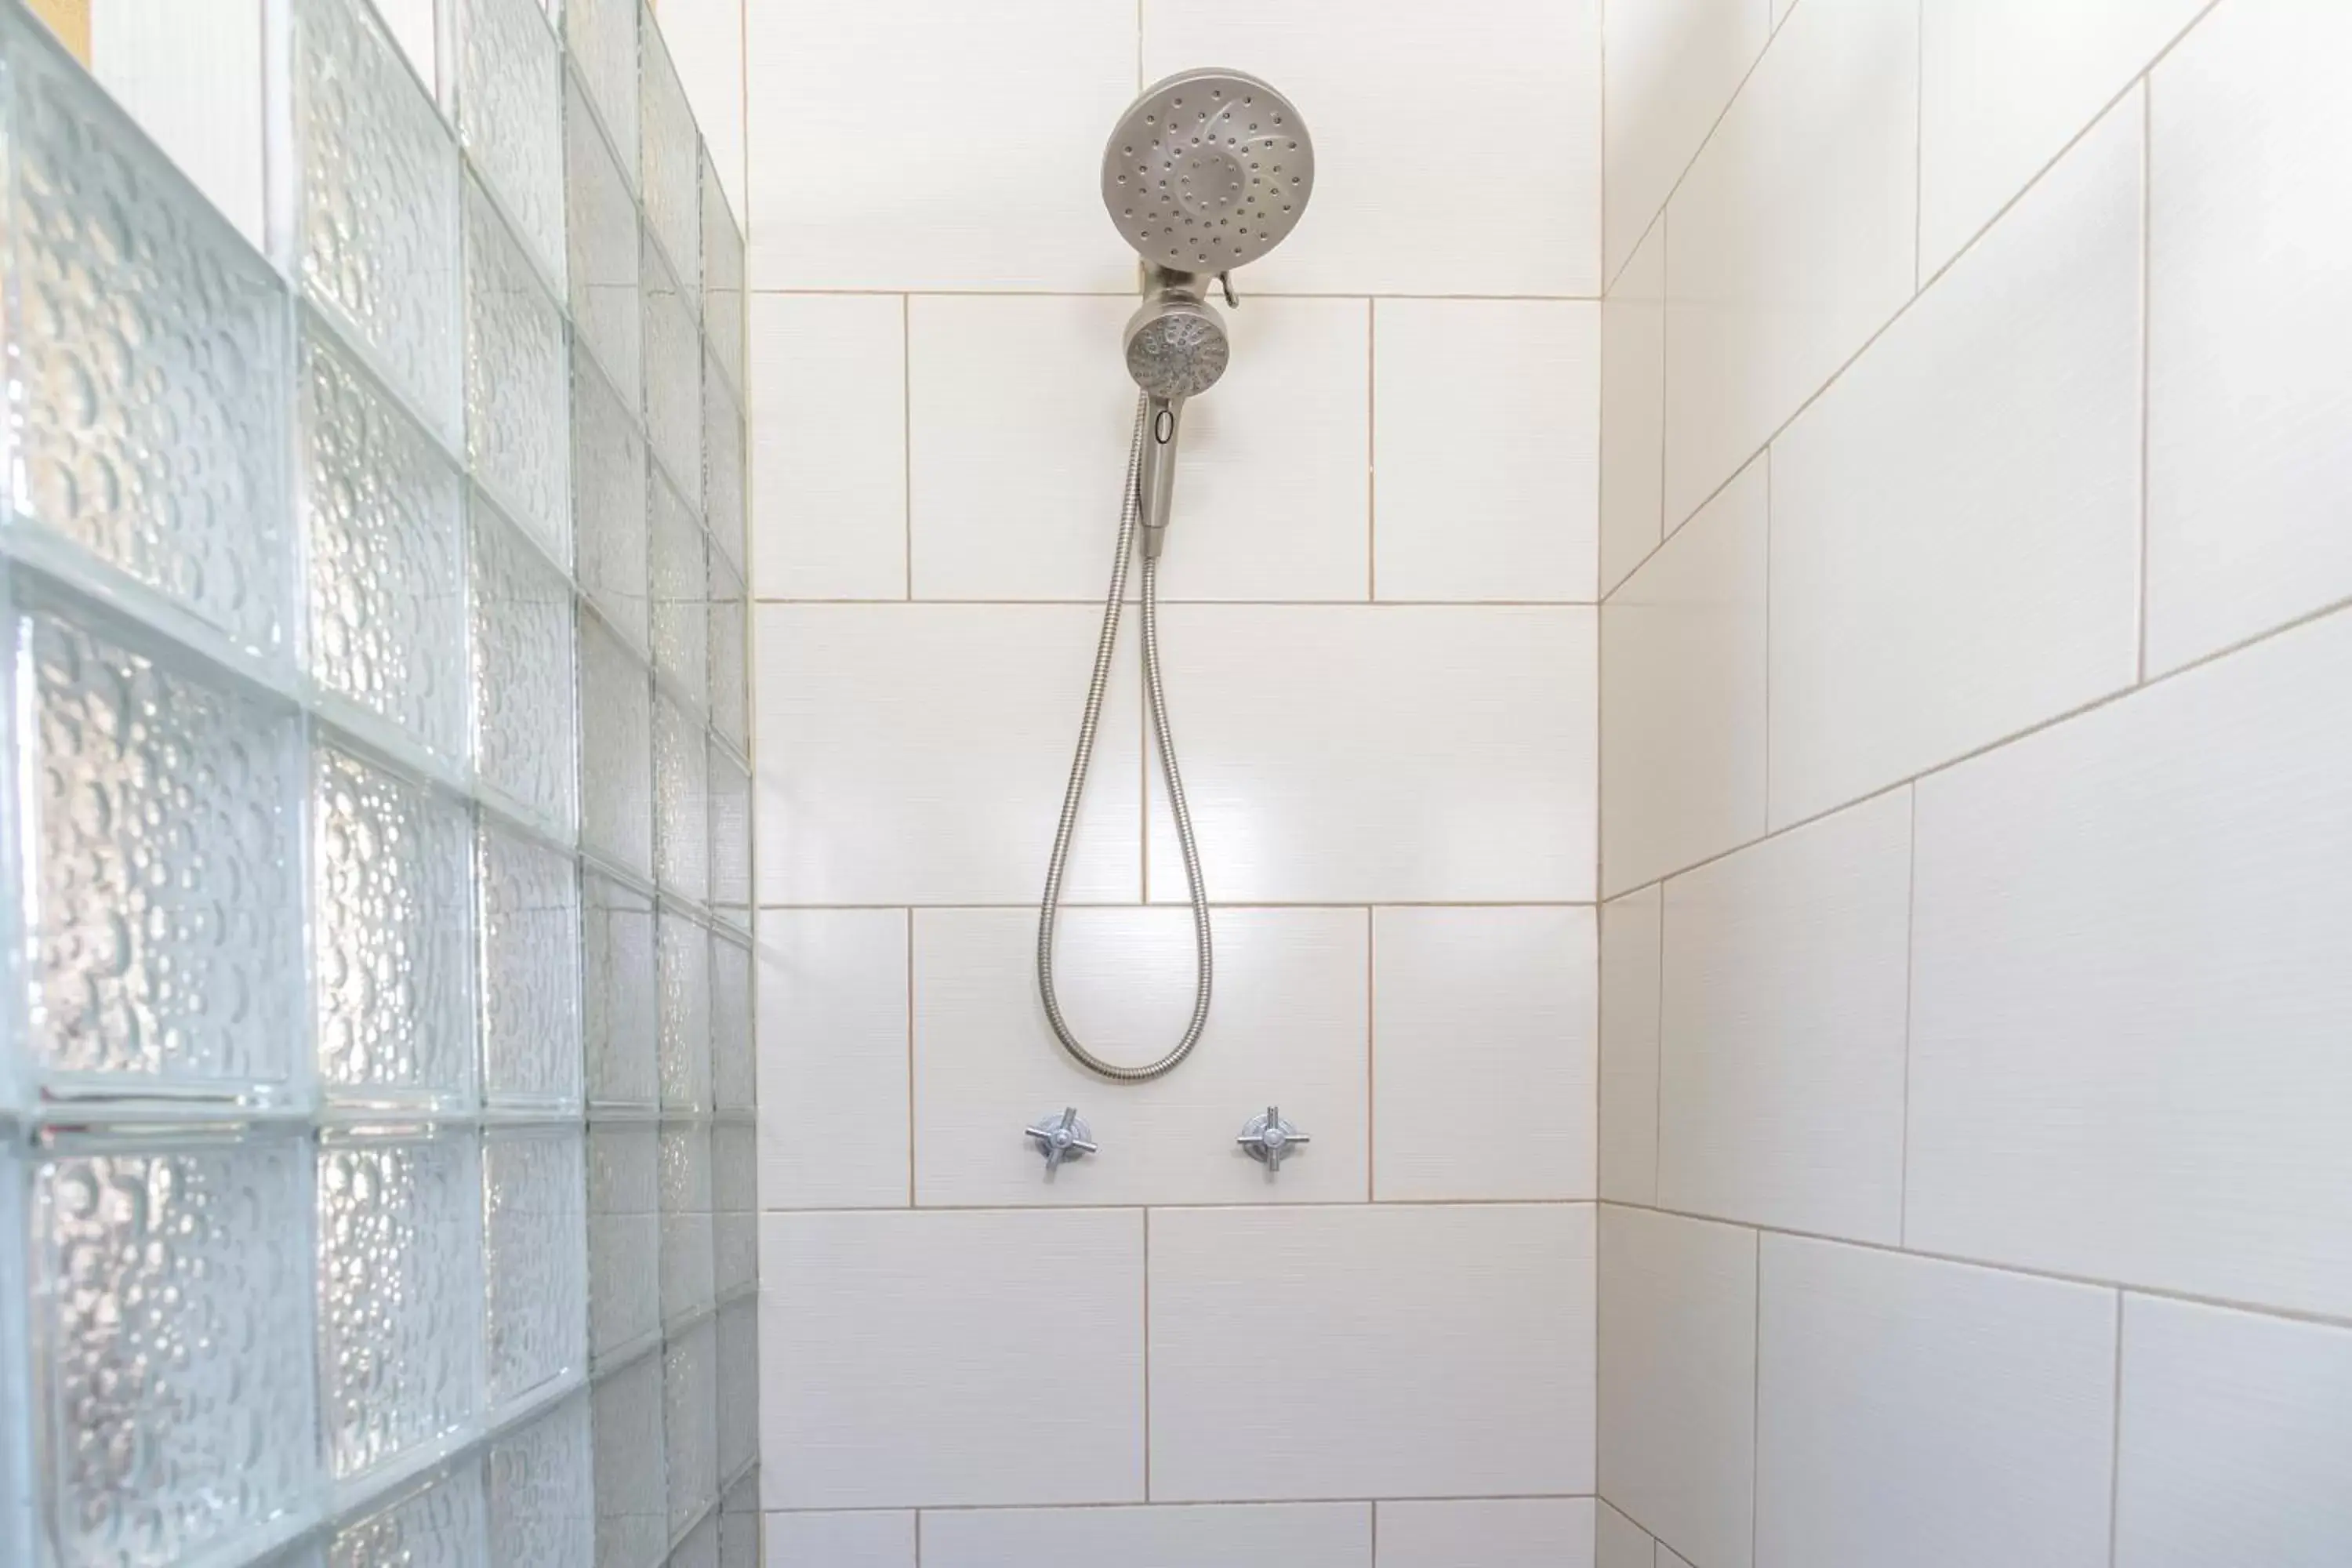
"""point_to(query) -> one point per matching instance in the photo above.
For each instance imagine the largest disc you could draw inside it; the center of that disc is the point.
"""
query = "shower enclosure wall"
(376, 1063)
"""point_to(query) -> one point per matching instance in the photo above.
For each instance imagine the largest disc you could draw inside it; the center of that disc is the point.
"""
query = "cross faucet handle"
(1268, 1138)
(1060, 1138)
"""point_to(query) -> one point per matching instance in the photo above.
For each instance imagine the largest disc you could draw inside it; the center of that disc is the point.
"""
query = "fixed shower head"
(1207, 170)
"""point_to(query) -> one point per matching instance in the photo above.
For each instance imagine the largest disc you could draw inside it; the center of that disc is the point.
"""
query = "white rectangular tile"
(1791, 236)
(1678, 1386)
(1683, 696)
(2236, 1431)
(1620, 1544)
(2005, 84)
(1956, 522)
(1519, 79)
(1382, 754)
(1486, 445)
(191, 76)
(1633, 410)
(1632, 946)
(1507, 1532)
(1287, 1023)
(917, 754)
(706, 44)
(1672, 70)
(1929, 1414)
(899, 1353)
(1464, 1367)
(2248, 306)
(1483, 1019)
(828, 446)
(1667, 1556)
(1021, 413)
(1263, 1535)
(2130, 999)
(1781, 1056)
(857, 1540)
(833, 1054)
(927, 144)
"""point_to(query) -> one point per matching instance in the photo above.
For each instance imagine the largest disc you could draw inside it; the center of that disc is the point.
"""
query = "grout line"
(1133, 1503)
(2115, 1443)
(1146, 1333)
(2146, 315)
(1030, 906)
(1372, 1052)
(934, 291)
(1168, 602)
(1910, 989)
(1756, 1410)
(910, 1058)
(1371, 453)
(1768, 636)
(1658, 1058)
(907, 439)
(1919, 145)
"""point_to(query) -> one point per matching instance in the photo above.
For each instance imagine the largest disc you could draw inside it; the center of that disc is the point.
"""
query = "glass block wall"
(375, 1066)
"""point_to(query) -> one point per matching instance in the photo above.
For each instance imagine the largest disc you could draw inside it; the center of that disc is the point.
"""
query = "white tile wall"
(1929, 1414)
(1266, 1535)
(1631, 951)
(1620, 1544)
(1464, 1368)
(2237, 1431)
(1396, 97)
(828, 446)
(1487, 425)
(1678, 1384)
(1956, 522)
(1681, 694)
(1482, 1053)
(2248, 397)
(192, 77)
(1633, 410)
(1667, 1556)
(706, 44)
(1780, 1061)
(1382, 754)
(862, 1539)
(1672, 70)
(832, 1057)
(2129, 995)
(1508, 1532)
(1287, 1025)
(1792, 235)
(902, 1354)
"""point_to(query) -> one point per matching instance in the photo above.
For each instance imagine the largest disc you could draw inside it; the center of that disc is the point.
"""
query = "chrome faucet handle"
(1060, 1138)
(1268, 1138)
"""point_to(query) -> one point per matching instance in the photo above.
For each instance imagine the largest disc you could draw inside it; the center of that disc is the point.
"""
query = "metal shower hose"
(1156, 694)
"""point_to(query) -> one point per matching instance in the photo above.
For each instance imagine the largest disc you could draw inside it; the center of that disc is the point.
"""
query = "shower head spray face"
(1207, 170)
(1176, 347)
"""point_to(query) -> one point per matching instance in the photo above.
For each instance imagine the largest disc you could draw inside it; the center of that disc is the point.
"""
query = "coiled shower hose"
(1156, 696)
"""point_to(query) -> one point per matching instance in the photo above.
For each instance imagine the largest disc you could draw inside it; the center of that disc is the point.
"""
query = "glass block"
(739, 1523)
(624, 1237)
(171, 1313)
(621, 1010)
(722, 275)
(601, 245)
(673, 383)
(688, 1283)
(722, 463)
(681, 800)
(383, 509)
(616, 769)
(730, 674)
(379, 219)
(681, 594)
(442, 1524)
(393, 860)
(523, 707)
(530, 972)
(510, 116)
(518, 382)
(632, 1477)
(400, 1295)
(608, 497)
(689, 1421)
(733, 1086)
(684, 1048)
(534, 1258)
(730, 838)
(147, 350)
(603, 39)
(739, 1386)
(540, 1481)
(701, 1547)
(734, 1202)
(669, 162)
(162, 895)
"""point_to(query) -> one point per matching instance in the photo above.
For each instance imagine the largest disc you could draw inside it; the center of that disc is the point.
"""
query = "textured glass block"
(518, 382)
(684, 1052)
(722, 275)
(730, 838)
(603, 39)
(621, 1009)
(730, 674)
(608, 497)
(688, 1283)
(669, 162)
(722, 463)
(171, 1312)
(601, 245)
(510, 116)
(624, 1236)
(681, 594)
(148, 353)
(734, 1200)
(733, 1086)
(616, 769)
(689, 1421)
(534, 1258)
(162, 883)
(393, 860)
(530, 972)
(739, 1523)
(738, 1387)
(631, 1478)
(540, 1480)
(701, 1547)
(439, 1525)
(672, 385)
(378, 221)
(524, 716)
(400, 1295)
(382, 510)
(681, 800)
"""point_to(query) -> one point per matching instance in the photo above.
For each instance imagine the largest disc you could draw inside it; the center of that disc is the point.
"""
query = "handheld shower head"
(1176, 346)
(1207, 170)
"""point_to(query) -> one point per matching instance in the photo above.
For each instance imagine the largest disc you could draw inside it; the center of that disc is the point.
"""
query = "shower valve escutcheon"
(1060, 1138)
(1269, 1138)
